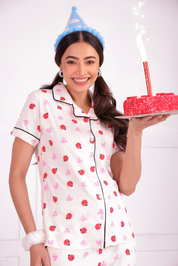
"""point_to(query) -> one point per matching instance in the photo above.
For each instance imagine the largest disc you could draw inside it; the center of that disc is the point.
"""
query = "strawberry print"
(67, 242)
(81, 204)
(71, 257)
(50, 142)
(68, 216)
(45, 116)
(32, 106)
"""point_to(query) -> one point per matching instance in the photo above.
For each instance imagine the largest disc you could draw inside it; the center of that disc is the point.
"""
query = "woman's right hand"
(39, 255)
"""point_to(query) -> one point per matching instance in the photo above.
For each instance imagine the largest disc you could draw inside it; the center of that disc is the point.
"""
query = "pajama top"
(81, 204)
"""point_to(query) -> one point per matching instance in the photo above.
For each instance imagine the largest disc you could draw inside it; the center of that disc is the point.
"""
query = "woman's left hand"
(138, 124)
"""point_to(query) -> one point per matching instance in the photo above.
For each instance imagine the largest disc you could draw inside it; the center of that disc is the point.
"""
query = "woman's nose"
(81, 69)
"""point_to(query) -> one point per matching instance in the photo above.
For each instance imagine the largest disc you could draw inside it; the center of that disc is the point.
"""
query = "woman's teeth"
(81, 80)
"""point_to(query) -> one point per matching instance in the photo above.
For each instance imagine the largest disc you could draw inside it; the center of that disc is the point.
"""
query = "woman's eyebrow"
(88, 57)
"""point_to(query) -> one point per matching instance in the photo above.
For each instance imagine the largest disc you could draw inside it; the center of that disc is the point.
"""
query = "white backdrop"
(28, 30)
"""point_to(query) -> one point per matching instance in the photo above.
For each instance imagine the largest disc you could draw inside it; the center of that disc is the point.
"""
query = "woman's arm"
(126, 167)
(21, 157)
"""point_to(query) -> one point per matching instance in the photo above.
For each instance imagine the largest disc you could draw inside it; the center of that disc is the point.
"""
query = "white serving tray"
(175, 112)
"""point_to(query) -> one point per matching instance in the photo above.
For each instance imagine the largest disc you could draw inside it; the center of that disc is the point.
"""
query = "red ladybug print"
(54, 170)
(59, 83)
(50, 143)
(113, 145)
(78, 145)
(85, 119)
(111, 209)
(32, 106)
(71, 257)
(44, 91)
(43, 149)
(106, 183)
(74, 121)
(122, 224)
(100, 251)
(65, 158)
(44, 205)
(55, 199)
(83, 230)
(62, 99)
(45, 116)
(98, 226)
(98, 196)
(115, 193)
(67, 242)
(81, 172)
(102, 156)
(113, 238)
(109, 126)
(125, 210)
(52, 228)
(70, 184)
(59, 107)
(92, 168)
(133, 235)
(127, 252)
(84, 203)
(92, 141)
(100, 132)
(68, 216)
(99, 264)
(45, 175)
(63, 127)
(39, 128)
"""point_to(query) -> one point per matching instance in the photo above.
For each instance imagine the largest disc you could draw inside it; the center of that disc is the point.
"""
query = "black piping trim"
(104, 244)
(73, 108)
(26, 132)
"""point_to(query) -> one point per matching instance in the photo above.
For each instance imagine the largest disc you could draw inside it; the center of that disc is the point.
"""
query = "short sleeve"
(28, 126)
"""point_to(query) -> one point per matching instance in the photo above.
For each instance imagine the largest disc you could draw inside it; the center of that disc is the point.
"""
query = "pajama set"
(84, 216)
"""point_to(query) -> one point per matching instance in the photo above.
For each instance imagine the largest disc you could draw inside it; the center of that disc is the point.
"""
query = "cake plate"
(175, 112)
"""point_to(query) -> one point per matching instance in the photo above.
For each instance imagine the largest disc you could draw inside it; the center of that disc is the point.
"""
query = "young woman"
(87, 159)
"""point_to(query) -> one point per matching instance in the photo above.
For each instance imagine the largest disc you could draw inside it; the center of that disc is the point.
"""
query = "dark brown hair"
(104, 103)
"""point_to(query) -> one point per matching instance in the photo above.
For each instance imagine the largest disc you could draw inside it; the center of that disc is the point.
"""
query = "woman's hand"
(138, 124)
(39, 255)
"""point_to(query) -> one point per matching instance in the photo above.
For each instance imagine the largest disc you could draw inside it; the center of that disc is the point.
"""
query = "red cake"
(162, 102)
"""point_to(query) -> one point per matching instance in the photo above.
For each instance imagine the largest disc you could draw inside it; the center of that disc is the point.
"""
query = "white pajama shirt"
(82, 207)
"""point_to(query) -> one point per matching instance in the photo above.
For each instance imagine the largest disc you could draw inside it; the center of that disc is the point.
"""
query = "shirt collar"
(61, 94)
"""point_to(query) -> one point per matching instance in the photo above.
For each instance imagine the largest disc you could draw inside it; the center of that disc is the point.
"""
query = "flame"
(140, 29)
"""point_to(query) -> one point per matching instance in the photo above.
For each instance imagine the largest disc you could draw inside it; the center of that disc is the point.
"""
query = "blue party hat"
(76, 23)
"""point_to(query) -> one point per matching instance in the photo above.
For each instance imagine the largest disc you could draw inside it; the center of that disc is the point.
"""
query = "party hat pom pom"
(74, 8)
(94, 32)
(83, 28)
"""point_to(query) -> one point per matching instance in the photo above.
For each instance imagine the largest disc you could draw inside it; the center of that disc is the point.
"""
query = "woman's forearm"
(19, 193)
(131, 168)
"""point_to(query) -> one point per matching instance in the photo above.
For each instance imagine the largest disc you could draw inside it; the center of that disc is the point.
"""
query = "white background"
(28, 30)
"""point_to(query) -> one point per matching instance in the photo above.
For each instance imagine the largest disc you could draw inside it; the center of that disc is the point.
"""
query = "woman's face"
(80, 64)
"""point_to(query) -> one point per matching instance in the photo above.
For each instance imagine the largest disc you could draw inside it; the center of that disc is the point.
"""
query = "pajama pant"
(119, 255)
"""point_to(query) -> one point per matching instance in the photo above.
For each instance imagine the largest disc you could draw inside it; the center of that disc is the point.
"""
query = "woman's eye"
(70, 62)
(90, 62)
